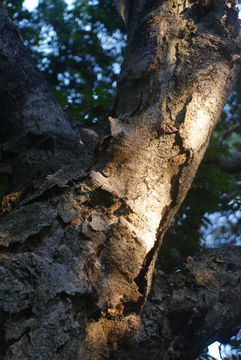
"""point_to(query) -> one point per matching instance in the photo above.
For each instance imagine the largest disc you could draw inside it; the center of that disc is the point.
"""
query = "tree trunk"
(80, 233)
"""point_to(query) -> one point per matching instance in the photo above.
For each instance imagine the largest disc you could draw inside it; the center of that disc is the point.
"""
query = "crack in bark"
(141, 280)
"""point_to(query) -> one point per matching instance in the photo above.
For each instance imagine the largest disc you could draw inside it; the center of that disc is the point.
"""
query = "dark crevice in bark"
(102, 197)
(180, 118)
(141, 279)
(24, 315)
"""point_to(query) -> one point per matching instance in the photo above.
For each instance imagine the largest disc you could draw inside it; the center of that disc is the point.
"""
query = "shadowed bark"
(83, 224)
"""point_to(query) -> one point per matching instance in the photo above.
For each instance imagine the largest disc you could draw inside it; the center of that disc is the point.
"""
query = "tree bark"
(80, 234)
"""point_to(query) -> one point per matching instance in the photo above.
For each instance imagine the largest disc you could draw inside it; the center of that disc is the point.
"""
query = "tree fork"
(79, 250)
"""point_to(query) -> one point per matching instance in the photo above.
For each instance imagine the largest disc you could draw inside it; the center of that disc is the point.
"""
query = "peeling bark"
(78, 247)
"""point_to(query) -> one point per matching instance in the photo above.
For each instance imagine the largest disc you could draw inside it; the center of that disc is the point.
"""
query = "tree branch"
(231, 164)
(189, 310)
(27, 104)
(36, 136)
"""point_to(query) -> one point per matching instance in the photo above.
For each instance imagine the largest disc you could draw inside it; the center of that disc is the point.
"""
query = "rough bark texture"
(82, 226)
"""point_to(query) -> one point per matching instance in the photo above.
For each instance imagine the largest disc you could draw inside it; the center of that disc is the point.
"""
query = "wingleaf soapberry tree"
(85, 216)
